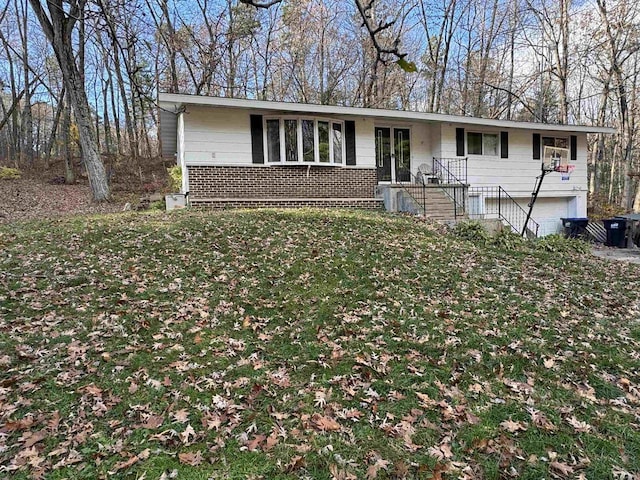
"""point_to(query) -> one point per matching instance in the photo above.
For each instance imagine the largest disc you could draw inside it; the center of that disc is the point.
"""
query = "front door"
(383, 153)
(393, 162)
(402, 154)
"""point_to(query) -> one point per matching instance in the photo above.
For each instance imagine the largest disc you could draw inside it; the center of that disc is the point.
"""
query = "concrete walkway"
(631, 255)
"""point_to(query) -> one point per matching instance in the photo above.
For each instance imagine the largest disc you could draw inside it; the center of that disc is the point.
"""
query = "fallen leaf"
(255, 442)
(191, 458)
(272, 440)
(324, 424)
(181, 415)
(31, 438)
(126, 464)
(579, 426)
(561, 468)
(441, 452)
(187, 435)
(153, 422)
(511, 426)
(296, 463)
(372, 470)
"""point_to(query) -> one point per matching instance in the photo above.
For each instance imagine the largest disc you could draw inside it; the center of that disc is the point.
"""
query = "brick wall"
(285, 182)
(372, 204)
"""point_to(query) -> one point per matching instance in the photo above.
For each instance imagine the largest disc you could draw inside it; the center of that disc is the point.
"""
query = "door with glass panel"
(393, 154)
(402, 151)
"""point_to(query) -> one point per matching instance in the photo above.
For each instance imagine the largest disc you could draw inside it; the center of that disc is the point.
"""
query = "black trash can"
(616, 232)
(574, 227)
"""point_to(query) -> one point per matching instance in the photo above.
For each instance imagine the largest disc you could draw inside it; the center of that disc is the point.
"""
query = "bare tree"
(59, 20)
(619, 51)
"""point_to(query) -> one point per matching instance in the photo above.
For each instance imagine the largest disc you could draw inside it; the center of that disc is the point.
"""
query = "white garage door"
(548, 212)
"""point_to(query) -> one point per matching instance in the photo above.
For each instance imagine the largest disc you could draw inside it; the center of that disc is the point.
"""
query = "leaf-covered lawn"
(310, 344)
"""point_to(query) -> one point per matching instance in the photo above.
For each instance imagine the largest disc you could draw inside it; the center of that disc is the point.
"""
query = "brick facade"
(282, 186)
(372, 204)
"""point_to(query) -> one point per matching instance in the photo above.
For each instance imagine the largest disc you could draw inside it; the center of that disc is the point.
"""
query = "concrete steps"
(437, 205)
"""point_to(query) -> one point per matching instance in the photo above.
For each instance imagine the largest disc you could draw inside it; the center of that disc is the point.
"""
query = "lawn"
(310, 344)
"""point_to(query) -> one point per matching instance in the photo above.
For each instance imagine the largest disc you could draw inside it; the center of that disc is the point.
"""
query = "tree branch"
(261, 4)
(375, 30)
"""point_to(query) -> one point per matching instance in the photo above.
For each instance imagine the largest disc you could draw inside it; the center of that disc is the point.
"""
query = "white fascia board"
(174, 101)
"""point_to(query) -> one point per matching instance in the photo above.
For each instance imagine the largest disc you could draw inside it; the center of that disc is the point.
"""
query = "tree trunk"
(54, 128)
(58, 27)
(69, 174)
(27, 117)
(78, 99)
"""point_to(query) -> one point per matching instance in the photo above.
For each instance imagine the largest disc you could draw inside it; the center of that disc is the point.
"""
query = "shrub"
(508, 239)
(152, 187)
(8, 173)
(558, 244)
(471, 230)
(175, 178)
(158, 205)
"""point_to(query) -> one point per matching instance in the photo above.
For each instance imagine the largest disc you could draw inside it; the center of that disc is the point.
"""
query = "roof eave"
(179, 100)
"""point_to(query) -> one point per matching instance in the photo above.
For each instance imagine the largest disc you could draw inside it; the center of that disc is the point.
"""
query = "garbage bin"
(616, 232)
(574, 227)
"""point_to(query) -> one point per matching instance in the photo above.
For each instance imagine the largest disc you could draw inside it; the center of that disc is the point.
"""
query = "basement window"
(304, 140)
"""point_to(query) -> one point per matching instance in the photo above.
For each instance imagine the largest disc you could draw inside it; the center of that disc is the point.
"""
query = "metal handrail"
(451, 170)
(457, 182)
(506, 209)
(414, 180)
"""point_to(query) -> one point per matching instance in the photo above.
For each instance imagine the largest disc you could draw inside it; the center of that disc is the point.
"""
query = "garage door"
(548, 212)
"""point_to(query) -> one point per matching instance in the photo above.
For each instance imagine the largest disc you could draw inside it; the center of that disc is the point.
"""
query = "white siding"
(517, 174)
(217, 136)
(180, 152)
(222, 136)
(365, 142)
(436, 132)
(420, 146)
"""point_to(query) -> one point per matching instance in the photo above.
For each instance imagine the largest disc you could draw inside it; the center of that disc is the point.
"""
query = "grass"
(310, 344)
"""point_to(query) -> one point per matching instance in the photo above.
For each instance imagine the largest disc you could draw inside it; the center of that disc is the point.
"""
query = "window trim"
(567, 141)
(300, 148)
(483, 154)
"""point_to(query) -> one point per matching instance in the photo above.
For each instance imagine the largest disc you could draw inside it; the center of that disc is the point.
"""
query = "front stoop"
(437, 205)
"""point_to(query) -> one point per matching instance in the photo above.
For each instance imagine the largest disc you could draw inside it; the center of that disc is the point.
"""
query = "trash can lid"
(574, 219)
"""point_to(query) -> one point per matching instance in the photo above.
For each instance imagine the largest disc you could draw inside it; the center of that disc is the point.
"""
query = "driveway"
(631, 255)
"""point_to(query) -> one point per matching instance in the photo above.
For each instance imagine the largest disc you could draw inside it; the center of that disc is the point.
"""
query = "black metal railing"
(495, 202)
(415, 186)
(451, 175)
(450, 170)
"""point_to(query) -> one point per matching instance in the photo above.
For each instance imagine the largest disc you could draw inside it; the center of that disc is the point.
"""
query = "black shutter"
(350, 141)
(536, 146)
(504, 144)
(460, 142)
(574, 147)
(257, 145)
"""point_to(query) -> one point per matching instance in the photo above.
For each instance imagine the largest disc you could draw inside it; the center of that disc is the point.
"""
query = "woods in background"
(557, 61)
